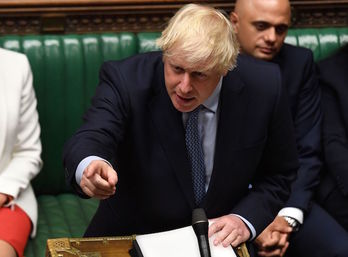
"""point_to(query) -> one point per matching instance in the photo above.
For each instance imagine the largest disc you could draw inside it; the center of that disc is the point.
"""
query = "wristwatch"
(292, 223)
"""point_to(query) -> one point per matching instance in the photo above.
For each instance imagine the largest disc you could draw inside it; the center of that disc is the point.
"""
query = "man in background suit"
(131, 153)
(261, 27)
(333, 189)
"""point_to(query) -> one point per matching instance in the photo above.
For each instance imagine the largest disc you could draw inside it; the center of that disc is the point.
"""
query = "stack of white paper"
(180, 242)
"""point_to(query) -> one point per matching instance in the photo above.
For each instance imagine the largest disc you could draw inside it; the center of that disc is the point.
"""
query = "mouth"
(267, 50)
(184, 99)
(184, 103)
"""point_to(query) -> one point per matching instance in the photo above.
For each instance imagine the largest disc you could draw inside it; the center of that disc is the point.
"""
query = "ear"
(234, 20)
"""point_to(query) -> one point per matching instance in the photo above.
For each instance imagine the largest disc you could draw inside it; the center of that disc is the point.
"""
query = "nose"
(270, 35)
(185, 83)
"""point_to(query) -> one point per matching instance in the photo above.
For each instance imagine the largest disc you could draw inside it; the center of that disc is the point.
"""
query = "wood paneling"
(83, 16)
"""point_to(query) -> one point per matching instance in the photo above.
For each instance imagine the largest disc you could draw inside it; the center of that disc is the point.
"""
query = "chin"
(181, 108)
(186, 109)
(265, 57)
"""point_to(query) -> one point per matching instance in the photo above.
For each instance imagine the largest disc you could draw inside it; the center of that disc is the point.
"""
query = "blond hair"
(201, 35)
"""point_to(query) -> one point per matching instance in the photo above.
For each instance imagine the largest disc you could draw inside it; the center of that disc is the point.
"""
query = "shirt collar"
(213, 101)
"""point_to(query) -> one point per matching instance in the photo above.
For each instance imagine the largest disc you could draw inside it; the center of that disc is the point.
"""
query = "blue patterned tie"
(196, 156)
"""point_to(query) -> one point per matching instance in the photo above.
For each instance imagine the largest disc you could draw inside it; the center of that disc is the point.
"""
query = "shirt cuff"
(292, 212)
(83, 165)
(251, 227)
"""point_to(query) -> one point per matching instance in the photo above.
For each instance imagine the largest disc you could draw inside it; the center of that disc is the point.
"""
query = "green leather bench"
(322, 42)
(65, 69)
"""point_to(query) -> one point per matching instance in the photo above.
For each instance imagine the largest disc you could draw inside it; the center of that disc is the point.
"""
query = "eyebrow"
(270, 24)
(189, 70)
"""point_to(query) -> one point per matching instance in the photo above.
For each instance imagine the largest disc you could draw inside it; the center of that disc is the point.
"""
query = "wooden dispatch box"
(100, 247)
(90, 247)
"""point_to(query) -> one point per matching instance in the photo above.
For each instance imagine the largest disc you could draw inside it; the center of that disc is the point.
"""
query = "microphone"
(200, 226)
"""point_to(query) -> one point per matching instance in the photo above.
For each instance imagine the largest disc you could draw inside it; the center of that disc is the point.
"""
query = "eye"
(199, 75)
(260, 25)
(281, 29)
(177, 69)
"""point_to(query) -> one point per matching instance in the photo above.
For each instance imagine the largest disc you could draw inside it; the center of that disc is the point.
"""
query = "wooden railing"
(83, 16)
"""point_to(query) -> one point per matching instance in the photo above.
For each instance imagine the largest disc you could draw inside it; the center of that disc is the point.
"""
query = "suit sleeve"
(335, 140)
(307, 123)
(26, 162)
(277, 169)
(104, 124)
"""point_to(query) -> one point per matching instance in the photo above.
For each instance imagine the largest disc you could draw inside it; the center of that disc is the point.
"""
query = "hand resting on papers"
(228, 230)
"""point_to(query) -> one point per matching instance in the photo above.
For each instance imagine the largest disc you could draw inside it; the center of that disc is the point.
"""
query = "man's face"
(261, 26)
(188, 88)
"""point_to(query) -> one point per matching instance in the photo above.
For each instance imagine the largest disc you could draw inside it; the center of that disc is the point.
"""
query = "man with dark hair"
(261, 27)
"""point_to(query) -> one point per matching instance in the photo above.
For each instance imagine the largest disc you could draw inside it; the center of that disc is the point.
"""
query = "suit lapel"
(168, 123)
(232, 106)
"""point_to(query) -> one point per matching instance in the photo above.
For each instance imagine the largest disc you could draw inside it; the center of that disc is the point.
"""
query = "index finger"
(111, 176)
(105, 171)
(214, 227)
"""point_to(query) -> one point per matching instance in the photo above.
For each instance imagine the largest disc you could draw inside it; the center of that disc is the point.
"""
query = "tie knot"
(193, 115)
(196, 111)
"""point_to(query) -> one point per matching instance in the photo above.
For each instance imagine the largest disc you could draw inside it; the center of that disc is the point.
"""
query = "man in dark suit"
(261, 27)
(131, 151)
(333, 189)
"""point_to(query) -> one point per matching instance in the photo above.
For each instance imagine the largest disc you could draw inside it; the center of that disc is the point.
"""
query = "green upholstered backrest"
(322, 42)
(65, 69)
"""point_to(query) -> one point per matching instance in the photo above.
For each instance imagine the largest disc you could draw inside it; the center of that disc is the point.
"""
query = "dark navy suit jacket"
(321, 234)
(334, 81)
(299, 77)
(133, 124)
